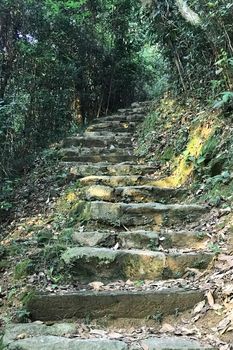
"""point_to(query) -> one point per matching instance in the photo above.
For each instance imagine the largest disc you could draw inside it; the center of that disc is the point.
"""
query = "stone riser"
(111, 128)
(88, 264)
(136, 305)
(119, 181)
(139, 194)
(142, 239)
(149, 214)
(98, 142)
(110, 158)
(139, 118)
(90, 169)
(86, 151)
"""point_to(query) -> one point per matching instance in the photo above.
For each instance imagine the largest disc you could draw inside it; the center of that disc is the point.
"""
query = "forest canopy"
(62, 63)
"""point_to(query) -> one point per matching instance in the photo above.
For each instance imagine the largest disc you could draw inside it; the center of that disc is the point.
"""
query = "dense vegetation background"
(64, 62)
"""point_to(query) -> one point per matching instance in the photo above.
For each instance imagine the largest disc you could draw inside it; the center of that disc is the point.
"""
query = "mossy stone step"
(36, 336)
(72, 155)
(141, 239)
(49, 342)
(153, 215)
(107, 134)
(89, 263)
(118, 181)
(114, 126)
(112, 304)
(97, 141)
(124, 117)
(84, 151)
(89, 169)
(139, 194)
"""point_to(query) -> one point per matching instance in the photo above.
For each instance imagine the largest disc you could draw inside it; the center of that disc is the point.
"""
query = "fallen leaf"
(96, 285)
(199, 307)
(210, 298)
(167, 328)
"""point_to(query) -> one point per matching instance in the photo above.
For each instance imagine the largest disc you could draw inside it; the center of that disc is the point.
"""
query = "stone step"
(107, 134)
(133, 110)
(153, 215)
(145, 104)
(138, 117)
(119, 181)
(139, 194)
(64, 336)
(88, 263)
(78, 170)
(74, 155)
(114, 126)
(112, 304)
(83, 151)
(97, 141)
(142, 239)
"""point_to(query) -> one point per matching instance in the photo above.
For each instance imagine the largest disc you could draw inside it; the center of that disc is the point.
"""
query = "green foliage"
(201, 54)
(63, 62)
(225, 99)
(22, 269)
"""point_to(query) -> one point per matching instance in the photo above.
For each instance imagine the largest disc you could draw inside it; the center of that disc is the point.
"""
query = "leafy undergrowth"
(193, 147)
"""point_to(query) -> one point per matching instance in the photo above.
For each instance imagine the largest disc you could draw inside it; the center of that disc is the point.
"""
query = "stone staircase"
(134, 234)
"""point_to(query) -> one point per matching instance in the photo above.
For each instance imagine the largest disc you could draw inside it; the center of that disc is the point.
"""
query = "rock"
(126, 240)
(103, 263)
(104, 193)
(28, 330)
(95, 239)
(173, 343)
(59, 343)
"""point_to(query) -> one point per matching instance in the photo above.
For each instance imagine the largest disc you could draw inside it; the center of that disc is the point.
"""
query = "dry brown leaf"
(145, 347)
(199, 307)
(167, 328)
(228, 289)
(210, 298)
(115, 335)
(98, 332)
(96, 285)
(22, 336)
(223, 325)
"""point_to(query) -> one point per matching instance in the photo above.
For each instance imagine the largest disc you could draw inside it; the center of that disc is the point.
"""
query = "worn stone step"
(133, 110)
(144, 104)
(80, 169)
(112, 304)
(97, 141)
(88, 263)
(62, 336)
(172, 343)
(139, 194)
(153, 215)
(99, 150)
(107, 134)
(138, 117)
(114, 126)
(59, 336)
(74, 155)
(120, 180)
(142, 239)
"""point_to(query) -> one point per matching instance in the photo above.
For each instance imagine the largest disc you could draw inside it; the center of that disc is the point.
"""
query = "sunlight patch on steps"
(183, 168)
